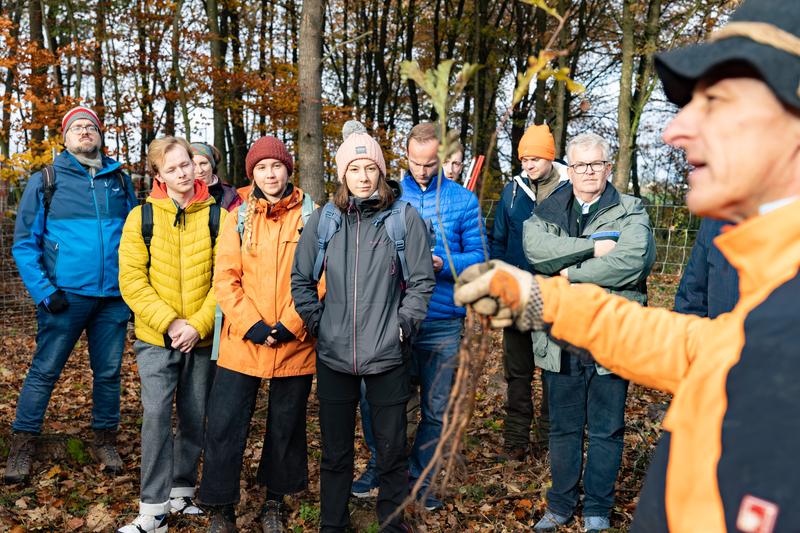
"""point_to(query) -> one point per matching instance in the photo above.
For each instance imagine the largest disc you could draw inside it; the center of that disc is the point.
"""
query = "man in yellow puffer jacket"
(168, 287)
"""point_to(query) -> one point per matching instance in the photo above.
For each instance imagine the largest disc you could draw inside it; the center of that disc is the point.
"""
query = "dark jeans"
(434, 358)
(518, 369)
(387, 394)
(284, 457)
(105, 321)
(579, 396)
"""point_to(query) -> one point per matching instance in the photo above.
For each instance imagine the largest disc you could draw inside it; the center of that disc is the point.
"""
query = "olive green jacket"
(549, 248)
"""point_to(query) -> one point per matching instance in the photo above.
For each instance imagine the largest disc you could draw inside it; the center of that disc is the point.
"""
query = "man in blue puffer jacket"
(435, 345)
(66, 252)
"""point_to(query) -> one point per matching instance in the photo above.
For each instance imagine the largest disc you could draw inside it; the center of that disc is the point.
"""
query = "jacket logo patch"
(361, 149)
(756, 515)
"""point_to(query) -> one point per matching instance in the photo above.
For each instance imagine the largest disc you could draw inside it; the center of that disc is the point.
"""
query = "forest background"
(230, 71)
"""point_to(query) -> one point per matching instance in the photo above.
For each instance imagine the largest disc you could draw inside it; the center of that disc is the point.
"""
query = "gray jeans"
(169, 462)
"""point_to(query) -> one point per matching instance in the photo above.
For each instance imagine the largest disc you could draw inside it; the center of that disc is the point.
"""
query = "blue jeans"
(105, 321)
(366, 426)
(578, 397)
(433, 361)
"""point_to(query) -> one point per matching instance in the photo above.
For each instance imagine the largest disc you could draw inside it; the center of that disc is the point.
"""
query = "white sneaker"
(184, 505)
(146, 523)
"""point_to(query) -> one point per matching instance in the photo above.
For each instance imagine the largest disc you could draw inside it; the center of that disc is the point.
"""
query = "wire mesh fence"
(674, 229)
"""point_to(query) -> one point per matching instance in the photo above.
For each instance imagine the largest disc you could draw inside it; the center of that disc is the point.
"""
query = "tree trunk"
(10, 81)
(622, 172)
(238, 133)
(38, 79)
(97, 59)
(412, 87)
(218, 89)
(309, 145)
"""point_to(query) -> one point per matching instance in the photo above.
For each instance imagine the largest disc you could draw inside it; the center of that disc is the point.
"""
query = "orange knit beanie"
(537, 142)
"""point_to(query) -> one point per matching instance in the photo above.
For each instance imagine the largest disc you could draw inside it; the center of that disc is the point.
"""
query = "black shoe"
(272, 519)
(513, 453)
(223, 520)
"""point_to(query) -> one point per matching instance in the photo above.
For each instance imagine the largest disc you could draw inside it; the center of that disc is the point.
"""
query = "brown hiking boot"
(20, 457)
(105, 452)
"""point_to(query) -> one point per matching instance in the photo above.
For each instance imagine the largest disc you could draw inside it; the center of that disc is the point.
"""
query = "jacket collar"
(410, 184)
(159, 197)
(555, 209)
(66, 161)
(763, 248)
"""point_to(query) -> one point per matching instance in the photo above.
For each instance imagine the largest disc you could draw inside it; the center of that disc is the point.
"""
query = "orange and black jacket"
(734, 423)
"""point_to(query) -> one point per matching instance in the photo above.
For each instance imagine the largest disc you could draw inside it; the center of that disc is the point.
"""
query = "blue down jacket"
(76, 249)
(461, 220)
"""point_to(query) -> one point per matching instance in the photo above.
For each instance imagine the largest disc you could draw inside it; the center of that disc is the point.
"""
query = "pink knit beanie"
(359, 145)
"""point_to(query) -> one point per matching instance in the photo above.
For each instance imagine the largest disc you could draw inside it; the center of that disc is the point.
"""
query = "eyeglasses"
(81, 129)
(583, 168)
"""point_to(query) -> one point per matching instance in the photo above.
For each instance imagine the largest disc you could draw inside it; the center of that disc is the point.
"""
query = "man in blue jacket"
(435, 345)
(539, 178)
(68, 228)
(710, 284)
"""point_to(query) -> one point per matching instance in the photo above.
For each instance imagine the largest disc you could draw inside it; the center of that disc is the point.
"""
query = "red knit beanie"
(268, 147)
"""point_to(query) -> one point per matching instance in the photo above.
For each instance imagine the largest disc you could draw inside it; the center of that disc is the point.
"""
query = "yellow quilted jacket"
(178, 282)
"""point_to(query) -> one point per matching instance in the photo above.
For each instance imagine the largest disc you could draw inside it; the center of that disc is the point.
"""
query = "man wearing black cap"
(728, 458)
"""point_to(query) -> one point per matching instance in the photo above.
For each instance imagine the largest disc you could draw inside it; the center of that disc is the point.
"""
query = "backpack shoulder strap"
(307, 208)
(241, 212)
(395, 224)
(330, 219)
(48, 186)
(213, 223)
(147, 227)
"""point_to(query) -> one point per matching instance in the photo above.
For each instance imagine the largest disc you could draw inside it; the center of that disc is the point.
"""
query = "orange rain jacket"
(253, 286)
(734, 422)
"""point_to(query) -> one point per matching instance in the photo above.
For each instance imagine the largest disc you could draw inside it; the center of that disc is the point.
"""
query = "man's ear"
(157, 177)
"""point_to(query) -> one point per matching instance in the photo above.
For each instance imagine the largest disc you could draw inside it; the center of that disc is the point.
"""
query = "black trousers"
(519, 370)
(284, 457)
(387, 394)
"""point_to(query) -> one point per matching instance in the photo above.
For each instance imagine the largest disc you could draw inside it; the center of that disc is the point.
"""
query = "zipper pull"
(91, 183)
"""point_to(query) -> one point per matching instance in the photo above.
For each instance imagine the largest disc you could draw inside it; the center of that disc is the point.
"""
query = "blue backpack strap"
(240, 214)
(217, 333)
(307, 209)
(329, 221)
(394, 220)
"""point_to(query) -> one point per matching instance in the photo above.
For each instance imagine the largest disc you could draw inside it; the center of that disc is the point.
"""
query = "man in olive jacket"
(587, 233)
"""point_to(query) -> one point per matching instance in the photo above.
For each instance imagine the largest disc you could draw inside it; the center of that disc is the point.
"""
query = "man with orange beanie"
(539, 178)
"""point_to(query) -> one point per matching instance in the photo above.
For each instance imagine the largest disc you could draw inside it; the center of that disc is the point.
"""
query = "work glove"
(258, 333)
(508, 295)
(55, 303)
(281, 334)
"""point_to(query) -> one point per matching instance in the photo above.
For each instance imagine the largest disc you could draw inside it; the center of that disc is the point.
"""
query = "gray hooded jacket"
(358, 323)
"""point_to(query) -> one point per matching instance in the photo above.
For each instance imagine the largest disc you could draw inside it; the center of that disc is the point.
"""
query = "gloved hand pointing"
(508, 295)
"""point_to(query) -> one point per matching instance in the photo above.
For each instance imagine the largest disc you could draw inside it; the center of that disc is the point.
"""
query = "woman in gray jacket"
(374, 252)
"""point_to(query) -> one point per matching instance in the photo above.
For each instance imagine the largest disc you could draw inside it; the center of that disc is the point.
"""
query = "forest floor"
(68, 492)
